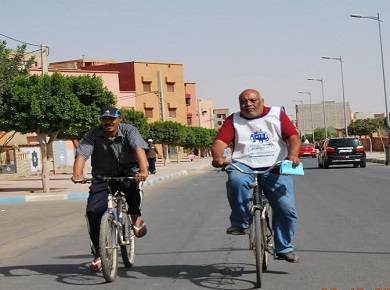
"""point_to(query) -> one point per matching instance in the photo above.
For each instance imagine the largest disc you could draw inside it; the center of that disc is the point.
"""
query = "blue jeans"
(279, 190)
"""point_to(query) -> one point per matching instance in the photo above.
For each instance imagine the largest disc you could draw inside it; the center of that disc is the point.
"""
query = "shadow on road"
(213, 276)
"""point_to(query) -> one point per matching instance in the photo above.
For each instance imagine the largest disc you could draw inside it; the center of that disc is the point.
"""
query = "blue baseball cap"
(110, 112)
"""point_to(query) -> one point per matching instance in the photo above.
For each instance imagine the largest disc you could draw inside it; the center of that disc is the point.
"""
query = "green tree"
(52, 106)
(319, 133)
(137, 119)
(167, 133)
(12, 64)
(366, 127)
(201, 138)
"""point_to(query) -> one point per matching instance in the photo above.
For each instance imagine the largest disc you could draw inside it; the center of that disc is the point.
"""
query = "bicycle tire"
(264, 253)
(258, 247)
(108, 247)
(251, 227)
(127, 250)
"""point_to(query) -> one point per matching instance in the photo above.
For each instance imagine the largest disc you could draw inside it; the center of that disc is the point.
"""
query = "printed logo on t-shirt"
(259, 136)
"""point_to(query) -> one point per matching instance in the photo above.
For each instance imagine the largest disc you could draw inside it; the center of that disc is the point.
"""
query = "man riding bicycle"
(115, 150)
(260, 136)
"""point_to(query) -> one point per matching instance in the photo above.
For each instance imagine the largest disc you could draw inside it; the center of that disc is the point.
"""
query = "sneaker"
(289, 257)
(236, 230)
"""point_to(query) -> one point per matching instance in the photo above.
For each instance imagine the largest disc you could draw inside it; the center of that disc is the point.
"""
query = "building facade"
(220, 116)
(158, 88)
(192, 104)
(205, 113)
(309, 117)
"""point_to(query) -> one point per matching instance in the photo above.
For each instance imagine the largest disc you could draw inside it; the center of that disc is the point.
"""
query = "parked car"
(308, 150)
(342, 150)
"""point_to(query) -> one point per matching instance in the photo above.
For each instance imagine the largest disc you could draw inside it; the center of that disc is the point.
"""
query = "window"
(219, 123)
(189, 120)
(172, 112)
(147, 86)
(149, 112)
(188, 101)
(170, 87)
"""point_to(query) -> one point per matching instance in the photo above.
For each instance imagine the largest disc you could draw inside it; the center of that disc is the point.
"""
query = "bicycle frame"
(259, 222)
(260, 202)
(116, 229)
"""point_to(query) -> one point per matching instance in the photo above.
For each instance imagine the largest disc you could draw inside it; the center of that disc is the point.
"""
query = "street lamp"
(342, 86)
(323, 103)
(311, 112)
(303, 120)
(376, 18)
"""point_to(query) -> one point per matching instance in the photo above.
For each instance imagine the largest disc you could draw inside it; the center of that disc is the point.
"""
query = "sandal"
(96, 265)
(141, 230)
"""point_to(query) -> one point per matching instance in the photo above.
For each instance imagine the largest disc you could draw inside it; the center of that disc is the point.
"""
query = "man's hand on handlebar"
(218, 162)
(295, 160)
(141, 176)
(77, 178)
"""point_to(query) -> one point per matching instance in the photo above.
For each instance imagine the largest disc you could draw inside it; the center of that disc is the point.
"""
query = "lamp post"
(376, 18)
(311, 113)
(342, 86)
(323, 103)
(303, 120)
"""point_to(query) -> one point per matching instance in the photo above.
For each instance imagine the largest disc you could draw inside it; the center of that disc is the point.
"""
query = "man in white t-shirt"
(260, 136)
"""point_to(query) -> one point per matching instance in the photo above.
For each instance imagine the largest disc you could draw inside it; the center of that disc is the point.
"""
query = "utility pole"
(160, 95)
(44, 65)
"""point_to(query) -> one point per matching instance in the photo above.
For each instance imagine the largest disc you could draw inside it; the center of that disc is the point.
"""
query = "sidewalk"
(14, 188)
(376, 157)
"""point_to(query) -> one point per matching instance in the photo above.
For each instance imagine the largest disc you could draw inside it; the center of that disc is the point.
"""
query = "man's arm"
(294, 146)
(78, 168)
(142, 163)
(217, 151)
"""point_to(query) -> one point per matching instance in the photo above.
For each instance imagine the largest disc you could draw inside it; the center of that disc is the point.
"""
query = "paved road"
(342, 238)
(15, 188)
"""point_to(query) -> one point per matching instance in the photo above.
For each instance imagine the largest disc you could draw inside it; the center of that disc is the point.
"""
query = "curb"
(381, 161)
(84, 195)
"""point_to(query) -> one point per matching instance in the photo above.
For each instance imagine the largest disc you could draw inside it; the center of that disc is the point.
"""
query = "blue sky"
(225, 46)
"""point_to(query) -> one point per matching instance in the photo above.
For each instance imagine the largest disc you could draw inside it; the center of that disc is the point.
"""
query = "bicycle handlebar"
(254, 172)
(106, 178)
(285, 168)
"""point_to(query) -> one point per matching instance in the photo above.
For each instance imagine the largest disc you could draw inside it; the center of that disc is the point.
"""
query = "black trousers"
(97, 205)
(152, 164)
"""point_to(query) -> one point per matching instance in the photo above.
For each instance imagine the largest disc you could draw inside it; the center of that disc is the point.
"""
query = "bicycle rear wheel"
(127, 250)
(258, 247)
(108, 247)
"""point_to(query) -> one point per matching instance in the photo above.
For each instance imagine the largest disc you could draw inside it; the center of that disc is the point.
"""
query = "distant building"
(334, 116)
(192, 104)
(158, 88)
(79, 63)
(220, 116)
(205, 113)
(363, 115)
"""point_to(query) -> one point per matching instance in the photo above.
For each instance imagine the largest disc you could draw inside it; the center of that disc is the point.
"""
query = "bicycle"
(116, 230)
(260, 230)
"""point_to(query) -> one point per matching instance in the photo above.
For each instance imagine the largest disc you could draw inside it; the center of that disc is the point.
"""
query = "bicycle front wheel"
(108, 247)
(264, 245)
(128, 249)
(258, 247)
